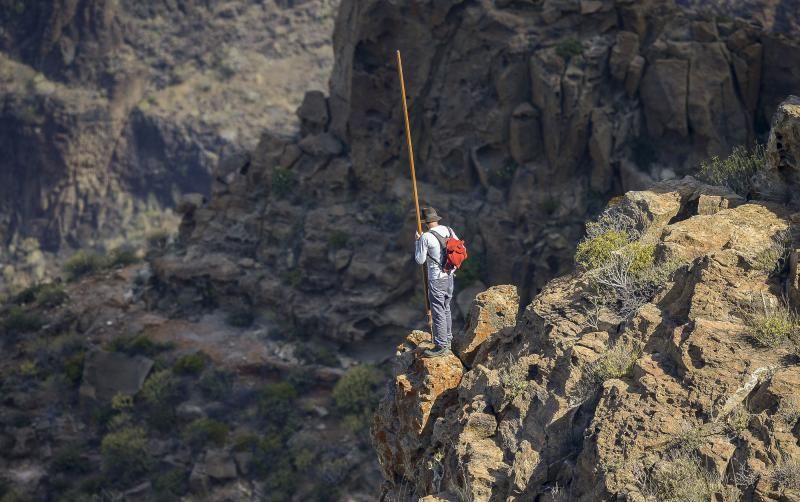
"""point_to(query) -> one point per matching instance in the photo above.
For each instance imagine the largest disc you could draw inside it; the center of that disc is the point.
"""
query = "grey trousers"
(440, 292)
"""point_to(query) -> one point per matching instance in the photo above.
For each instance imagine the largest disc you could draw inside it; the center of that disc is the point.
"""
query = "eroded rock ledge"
(514, 421)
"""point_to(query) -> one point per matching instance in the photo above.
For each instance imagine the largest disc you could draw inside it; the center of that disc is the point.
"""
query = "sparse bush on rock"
(355, 391)
(786, 474)
(204, 431)
(616, 362)
(191, 364)
(771, 326)
(122, 256)
(125, 454)
(19, 320)
(597, 251)
(81, 264)
(276, 404)
(681, 478)
(137, 345)
(735, 171)
(569, 47)
(159, 394)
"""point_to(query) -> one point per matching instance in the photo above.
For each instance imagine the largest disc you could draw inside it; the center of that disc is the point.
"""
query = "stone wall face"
(525, 119)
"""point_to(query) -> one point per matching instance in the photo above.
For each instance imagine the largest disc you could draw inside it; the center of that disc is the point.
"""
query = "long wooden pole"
(414, 181)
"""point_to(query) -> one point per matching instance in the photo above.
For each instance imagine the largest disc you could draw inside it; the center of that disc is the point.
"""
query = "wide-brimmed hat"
(429, 215)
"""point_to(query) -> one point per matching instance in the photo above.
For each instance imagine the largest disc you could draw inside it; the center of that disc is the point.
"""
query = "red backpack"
(454, 252)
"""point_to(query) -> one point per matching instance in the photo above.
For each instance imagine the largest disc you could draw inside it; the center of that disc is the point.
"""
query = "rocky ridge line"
(516, 421)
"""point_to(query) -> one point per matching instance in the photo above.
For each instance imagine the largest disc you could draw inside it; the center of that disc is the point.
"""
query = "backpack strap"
(442, 245)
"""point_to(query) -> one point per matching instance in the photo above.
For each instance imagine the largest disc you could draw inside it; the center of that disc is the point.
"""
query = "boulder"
(198, 479)
(321, 145)
(106, 374)
(421, 386)
(492, 310)
(748, 229)
(623, 52)
(782, 177)
(634, 75)
(219, 465)
(313, 113)
(525, 134)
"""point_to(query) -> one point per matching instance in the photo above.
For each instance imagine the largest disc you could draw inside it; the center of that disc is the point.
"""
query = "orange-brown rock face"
(492, 310)
(580, 401)
(421, 386)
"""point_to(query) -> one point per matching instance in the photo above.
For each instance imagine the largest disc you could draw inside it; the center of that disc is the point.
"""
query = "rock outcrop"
(523, 425)
(516, 137)
(110, 110)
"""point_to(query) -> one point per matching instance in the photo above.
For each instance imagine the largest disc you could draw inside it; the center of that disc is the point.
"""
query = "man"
(430, 248)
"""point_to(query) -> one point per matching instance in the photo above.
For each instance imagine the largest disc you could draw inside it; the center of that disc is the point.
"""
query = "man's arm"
(421, 249)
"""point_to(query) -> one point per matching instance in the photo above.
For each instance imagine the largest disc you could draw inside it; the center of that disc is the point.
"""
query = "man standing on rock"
(431, 247)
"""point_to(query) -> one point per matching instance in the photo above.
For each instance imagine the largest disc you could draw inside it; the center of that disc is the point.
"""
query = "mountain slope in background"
(111, 110)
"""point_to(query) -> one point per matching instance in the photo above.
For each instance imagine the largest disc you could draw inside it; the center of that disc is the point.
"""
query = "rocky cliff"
(527, 116)
(110, 110)
(664, 368)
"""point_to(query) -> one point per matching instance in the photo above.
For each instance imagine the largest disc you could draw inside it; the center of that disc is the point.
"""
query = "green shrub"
(568, 48)
(789, 411)
(73, 367)
(159, 388)
(641, 255)
(159, 393)
(191, 364)
(338, 239)
(244, 441)
(513, 379)
(125, 453)
(18, 320)
(736, 171)
(137, 345)
(616, 362)
(355, 391)
(215, 384)
(596, 252)
(770, 326)
(69, 460)
(682, 478)
(123, 256)
(203, 431)
(283, 183)
(43, 295)
(51, 295)
(774, 257)
(786, 474)
(243, 318)
(122, 402)
(738, 420)
(171, 485)
(81, 264)
(27, 369)
(276, 403)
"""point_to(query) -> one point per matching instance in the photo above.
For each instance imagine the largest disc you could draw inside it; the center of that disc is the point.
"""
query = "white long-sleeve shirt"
(428, 248)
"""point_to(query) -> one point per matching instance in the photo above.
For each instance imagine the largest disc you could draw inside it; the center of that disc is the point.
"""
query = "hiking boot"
(436, 352)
